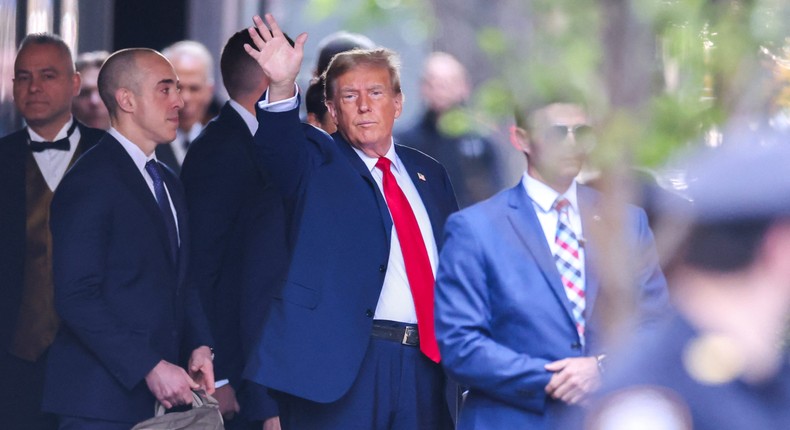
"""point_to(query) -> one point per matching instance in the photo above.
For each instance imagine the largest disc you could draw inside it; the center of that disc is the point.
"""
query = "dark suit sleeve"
(284, 150)
(470, 355)
(80, 225)
(214, 197)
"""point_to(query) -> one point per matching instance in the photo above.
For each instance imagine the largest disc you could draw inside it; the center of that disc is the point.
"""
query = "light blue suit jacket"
(502, 312)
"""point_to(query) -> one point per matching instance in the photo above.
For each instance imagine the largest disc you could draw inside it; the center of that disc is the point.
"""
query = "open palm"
(279, 61)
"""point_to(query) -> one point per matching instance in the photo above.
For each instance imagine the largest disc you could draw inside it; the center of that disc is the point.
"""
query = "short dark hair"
(47, 39)
(92, 59)
(240, 72)
(314, 99)
(120, 71)
(345, 61)
(336, 43)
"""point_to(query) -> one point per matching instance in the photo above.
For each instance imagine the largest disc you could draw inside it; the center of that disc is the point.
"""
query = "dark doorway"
(149, 23)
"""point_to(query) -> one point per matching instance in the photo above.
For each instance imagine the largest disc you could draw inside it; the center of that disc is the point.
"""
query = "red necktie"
(415, 256)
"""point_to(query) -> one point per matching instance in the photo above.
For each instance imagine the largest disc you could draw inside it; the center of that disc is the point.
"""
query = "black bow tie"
(60, 144)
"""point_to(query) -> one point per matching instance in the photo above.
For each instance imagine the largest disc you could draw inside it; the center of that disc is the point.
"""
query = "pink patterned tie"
(569, 264)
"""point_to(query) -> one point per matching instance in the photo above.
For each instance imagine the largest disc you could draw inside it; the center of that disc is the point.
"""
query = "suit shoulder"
(90, 136)
(96, 159)
(18, 135)
(489, 208)
(416, 154)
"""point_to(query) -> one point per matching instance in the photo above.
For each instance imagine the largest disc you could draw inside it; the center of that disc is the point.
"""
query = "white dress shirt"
(179, 151)
(249, 119)
(53, 163)
(140, 159)
(395, 301)
(543, 198)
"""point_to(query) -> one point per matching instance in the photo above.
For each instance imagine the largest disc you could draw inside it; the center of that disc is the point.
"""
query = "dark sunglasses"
(582, 133)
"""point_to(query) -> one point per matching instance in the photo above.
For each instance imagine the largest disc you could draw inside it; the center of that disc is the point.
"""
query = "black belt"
(406, 335)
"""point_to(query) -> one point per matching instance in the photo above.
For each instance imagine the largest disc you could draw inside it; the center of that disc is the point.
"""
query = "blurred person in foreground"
(516, 316)
(194, 65)
(87, 106)
(33, 161)
(349, 342)
(237, 221)
(470, 159)
(721, 361)
(120, 256)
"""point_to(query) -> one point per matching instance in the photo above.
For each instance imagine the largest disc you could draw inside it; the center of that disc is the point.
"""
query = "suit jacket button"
(576, 345)
(369, 313)
(382, 268)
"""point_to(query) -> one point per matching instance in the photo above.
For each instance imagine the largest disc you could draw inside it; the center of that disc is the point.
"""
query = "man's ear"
(398, 100)
(76, 84)
(519, 138)
(330, 106)
(125, 99)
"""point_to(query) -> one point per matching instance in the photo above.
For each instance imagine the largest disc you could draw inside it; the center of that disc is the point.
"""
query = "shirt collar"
(134, 151)
(61, 134)
(370, 162)
(544, 196)
(191, 134)
(249, 119)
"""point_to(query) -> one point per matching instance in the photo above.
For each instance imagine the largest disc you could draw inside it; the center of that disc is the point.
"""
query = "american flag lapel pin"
(420, 176)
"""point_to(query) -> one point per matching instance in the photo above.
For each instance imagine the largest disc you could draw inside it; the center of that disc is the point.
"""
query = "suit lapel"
(420, 181)
(138, 188)
(360, 167)
(524, 221)
(588, 208)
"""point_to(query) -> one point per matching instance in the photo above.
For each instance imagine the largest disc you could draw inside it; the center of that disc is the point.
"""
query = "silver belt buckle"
(408, 334)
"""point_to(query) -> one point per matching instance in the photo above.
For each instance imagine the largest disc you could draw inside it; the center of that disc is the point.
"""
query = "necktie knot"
(561, 205)
(153, 169)
(384, 164)
(60, 144)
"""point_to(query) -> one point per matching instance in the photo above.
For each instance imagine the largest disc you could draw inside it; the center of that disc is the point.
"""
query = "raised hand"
(279, 61)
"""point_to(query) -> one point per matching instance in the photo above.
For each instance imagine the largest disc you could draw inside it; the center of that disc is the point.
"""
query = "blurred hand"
(228, 405)
(573, 379)
(201, 368)
(272, 423)
(170, 384)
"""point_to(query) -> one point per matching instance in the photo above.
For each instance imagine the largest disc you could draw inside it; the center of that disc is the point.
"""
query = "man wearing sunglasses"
(517, 283)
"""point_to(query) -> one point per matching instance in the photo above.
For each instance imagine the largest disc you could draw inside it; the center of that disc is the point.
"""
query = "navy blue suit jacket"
(502, 312)
(123, 300)
(319, 325)
(13, 155)
(239, 252)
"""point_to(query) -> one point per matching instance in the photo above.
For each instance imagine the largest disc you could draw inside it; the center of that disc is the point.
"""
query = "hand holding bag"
(204, 415)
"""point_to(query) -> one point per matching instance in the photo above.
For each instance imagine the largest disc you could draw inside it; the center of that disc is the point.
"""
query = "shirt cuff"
(221, 383)
(282, 105)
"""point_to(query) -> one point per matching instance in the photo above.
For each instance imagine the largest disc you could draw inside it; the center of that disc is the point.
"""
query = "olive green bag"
(204, 415)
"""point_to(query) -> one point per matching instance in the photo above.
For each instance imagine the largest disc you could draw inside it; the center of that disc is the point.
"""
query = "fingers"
(556, 366)
(208, 379)
(557, 380)
(256, 39)
(273, 25)
(300, 41)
